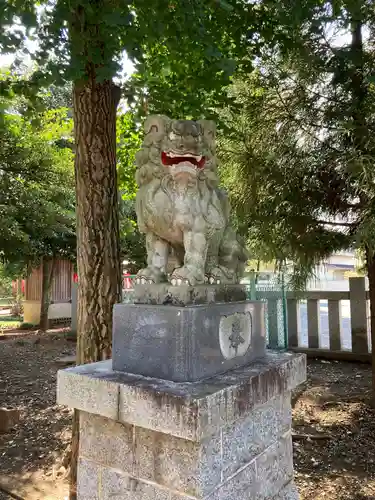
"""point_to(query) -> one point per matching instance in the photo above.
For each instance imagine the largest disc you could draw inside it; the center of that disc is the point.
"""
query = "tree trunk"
(358, 88)
(98, 248)
(74, 457)
(370, 265)
(360, 131)
(48, 264)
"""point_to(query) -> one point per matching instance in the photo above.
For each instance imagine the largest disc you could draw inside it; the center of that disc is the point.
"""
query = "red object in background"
(127, 282)
(15, 287)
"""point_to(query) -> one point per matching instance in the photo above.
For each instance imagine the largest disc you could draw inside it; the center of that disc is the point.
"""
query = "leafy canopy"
(298, 159)
(184, 53)
(132, 242)
(37, 200)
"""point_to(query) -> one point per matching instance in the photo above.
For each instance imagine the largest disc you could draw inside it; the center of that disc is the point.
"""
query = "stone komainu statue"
(180, 206)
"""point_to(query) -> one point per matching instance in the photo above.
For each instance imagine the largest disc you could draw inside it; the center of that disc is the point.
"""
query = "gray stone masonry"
(225, 438)
(187, 343)
(186, 295)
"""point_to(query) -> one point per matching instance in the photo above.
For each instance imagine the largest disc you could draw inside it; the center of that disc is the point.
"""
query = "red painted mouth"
(170, 159)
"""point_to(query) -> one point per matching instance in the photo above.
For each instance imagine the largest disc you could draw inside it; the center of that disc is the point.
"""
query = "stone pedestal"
(185, 333)
(224, 438)
(189, 343)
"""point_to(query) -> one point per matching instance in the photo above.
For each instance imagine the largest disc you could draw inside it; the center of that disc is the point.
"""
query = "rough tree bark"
(358, 88)
(370, 266)
(98, 250)
(360, 141)
(48, 264)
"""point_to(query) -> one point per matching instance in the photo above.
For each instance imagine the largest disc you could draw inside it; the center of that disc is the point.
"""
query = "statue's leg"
(157, 260)
(212, 260)
(215, 272)
(192, 272)
(179, 253)
(231, 256)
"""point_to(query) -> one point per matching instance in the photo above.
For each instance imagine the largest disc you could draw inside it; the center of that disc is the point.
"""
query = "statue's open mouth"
(169, 158)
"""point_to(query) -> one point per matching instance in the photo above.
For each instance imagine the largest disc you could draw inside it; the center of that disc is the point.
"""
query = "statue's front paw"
(217, 275)
(186, 276)
(150, 275)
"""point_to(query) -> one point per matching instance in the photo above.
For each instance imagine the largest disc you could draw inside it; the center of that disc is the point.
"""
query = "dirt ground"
(32, 451)
(334, 433)
(334, 427)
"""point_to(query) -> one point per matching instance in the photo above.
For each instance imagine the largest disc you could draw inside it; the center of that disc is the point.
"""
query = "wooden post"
(313, 310)
(334, 314)
(293, 322)
(358, 313)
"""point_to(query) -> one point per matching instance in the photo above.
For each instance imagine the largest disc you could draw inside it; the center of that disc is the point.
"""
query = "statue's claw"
(150, 275)
(218, 275)
(186, 276)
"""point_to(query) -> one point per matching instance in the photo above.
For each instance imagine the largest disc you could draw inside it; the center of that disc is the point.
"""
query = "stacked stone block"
(225, 438)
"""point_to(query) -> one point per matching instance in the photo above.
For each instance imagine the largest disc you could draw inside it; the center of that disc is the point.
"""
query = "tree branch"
(343, 224)
(299, 122)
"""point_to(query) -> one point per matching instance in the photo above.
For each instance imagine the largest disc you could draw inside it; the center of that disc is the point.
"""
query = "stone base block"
(185, 295)
(185, 344)
(226, 438)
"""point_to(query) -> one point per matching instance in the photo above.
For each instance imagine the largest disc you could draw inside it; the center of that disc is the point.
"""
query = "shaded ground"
(34, 448)
(333, 405)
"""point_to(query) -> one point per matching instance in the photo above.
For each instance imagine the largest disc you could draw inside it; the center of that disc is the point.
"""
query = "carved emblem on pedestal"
(235, 332)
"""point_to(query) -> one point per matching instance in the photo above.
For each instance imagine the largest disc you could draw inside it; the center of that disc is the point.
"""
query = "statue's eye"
(172, 136)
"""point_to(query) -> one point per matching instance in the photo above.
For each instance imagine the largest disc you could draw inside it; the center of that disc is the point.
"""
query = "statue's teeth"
(170, 154)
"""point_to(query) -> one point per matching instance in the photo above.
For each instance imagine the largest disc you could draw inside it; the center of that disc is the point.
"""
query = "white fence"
(335, 321)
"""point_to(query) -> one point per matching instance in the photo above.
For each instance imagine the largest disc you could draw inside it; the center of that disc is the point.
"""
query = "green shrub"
(27, 326)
